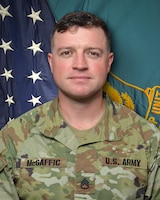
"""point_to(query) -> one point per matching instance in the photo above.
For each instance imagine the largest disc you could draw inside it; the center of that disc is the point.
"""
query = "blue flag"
(25, 77)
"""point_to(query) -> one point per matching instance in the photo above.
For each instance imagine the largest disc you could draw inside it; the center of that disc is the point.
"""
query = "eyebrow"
(87, 48)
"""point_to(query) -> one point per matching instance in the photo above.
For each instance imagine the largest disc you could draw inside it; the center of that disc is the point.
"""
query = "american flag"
(25, 77)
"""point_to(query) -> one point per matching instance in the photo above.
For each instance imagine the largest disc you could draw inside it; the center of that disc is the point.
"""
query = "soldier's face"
(80, 62)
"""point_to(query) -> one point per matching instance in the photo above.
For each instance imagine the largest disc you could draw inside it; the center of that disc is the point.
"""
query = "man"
(80, 145)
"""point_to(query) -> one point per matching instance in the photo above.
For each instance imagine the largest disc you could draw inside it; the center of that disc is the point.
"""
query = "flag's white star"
(35, 47)
(7, 74)
(35, 76)
(35, 100)
(35, 15)
(4, 12)
(9, 100)
(10, 119)
(5, 46)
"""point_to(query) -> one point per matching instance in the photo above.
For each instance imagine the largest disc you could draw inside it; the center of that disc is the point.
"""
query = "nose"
(80, 62)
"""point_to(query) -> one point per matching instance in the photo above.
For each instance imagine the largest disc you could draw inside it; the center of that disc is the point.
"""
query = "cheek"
(101, 69)
(101, 72)
(60, 63)
(56, 66)
(59, 70)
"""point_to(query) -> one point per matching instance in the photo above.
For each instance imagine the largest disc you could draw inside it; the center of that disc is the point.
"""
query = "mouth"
(79, 77)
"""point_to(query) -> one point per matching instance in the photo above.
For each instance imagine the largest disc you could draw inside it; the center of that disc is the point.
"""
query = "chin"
(84, 97)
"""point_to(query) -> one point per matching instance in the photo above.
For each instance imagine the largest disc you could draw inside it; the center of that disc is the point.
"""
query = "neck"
(82, 114)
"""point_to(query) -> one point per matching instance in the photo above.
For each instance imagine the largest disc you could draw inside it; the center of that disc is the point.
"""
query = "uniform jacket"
(44, 158)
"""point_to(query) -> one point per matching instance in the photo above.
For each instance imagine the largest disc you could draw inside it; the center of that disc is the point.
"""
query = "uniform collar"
(55, 127)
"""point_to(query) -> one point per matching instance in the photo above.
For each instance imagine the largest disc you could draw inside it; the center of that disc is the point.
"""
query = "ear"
(50, 60)
(110, 61)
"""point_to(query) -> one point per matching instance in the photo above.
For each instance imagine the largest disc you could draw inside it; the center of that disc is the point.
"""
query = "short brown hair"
(81, 19)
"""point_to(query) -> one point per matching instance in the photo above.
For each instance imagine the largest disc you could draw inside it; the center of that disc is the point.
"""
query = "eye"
(94, 53)
(66, 53)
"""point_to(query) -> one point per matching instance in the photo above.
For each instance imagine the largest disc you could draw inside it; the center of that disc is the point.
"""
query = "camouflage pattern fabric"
(43, 158)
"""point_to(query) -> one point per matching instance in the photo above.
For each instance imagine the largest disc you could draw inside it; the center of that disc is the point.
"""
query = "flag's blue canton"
(25, 77)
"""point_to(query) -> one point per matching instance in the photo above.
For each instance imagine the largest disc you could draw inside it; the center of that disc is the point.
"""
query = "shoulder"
(21, 127)
(129, 121)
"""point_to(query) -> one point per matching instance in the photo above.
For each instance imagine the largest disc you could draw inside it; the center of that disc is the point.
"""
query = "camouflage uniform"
(43, 158)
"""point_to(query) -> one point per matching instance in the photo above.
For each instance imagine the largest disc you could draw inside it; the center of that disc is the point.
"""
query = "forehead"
(81, 35)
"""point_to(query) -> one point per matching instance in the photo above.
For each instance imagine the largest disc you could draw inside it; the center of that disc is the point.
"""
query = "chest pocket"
(37, 168)
(125, 162)
(41, 177)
